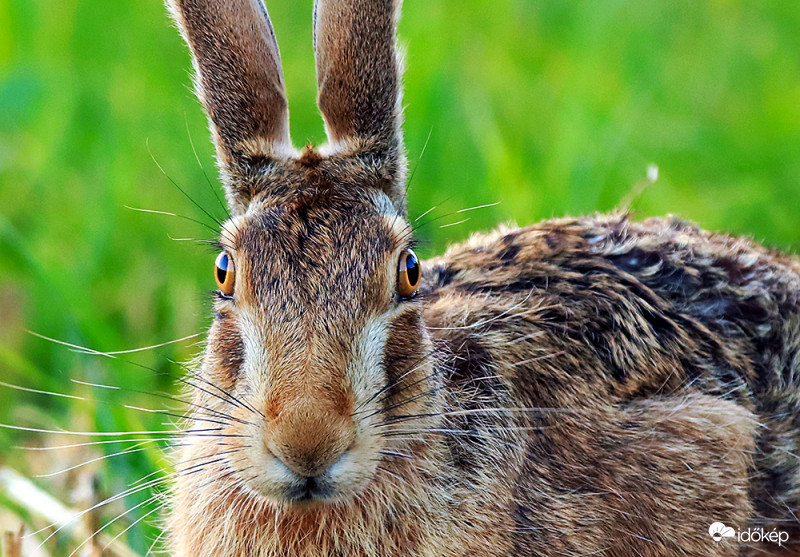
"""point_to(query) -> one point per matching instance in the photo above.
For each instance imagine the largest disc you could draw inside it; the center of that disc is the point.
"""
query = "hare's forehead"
(313, 237)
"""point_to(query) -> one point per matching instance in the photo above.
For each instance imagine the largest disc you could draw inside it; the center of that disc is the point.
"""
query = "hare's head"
(318, 338)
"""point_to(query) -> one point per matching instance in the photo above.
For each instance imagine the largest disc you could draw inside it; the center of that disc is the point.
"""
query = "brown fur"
(586, 386)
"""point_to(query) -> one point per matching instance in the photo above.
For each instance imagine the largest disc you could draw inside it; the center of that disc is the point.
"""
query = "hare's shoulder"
(632, 301)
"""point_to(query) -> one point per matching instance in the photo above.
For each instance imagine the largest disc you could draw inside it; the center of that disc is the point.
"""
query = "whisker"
(180, 189)
(167, 213)
(41, 392)
(110, 522)
(454, 223)
(392, 420)
(144, 348)
(197, 240)
(202, 168)
(425, 213)
(128, 406)
(212, 411)
(514, 410)
(155, 543)
(91, 443)
(230, 400)
(419, 160)
(137, 521)
(137, 449)
(178, 433)
(466, 432)
(77, 516)
(495, 204)
(416, 397)
(393, 384)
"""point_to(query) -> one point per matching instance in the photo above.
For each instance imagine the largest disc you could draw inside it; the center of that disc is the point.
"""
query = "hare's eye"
(409, 274)
(225, 273)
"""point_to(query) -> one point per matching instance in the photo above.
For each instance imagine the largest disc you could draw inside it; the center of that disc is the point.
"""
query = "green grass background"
(547, 107)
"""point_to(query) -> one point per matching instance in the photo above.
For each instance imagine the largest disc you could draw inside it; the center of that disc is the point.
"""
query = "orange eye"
(224, 273)
(409, 274)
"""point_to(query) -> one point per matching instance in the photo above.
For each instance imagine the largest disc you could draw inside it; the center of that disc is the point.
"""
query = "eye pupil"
(225, 273)
(412, 268)
(222, 267)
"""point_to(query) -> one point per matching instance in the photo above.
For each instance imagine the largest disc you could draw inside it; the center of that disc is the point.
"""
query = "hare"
(591, 386)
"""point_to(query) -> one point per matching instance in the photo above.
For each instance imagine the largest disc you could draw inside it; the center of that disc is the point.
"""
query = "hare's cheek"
(225, 353)
(365, 372)
(406, 361)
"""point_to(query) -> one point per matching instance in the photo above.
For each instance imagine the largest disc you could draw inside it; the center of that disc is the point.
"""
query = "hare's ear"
(239, 80)
(358, 80)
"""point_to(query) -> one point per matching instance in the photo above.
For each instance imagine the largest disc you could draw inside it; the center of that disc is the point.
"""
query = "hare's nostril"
(308, 465)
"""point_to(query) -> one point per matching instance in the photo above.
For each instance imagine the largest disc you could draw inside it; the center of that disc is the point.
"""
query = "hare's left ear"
(358, 80)
(240, 83)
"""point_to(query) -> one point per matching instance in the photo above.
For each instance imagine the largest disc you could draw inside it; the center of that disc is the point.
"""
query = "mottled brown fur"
(590, 386)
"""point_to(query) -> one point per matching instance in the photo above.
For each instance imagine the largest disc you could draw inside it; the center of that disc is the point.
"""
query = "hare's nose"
(308, 465)
(310, 443)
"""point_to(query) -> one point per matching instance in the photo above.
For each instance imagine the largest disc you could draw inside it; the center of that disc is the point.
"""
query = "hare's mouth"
(310, 490)
(288, 486)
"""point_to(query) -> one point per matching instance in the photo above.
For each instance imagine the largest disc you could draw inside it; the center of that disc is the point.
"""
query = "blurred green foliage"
(547, 107)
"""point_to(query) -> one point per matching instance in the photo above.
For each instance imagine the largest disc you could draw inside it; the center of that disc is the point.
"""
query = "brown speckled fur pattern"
(589, 386)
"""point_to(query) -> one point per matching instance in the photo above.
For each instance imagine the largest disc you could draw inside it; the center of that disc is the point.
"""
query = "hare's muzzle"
(310, 439)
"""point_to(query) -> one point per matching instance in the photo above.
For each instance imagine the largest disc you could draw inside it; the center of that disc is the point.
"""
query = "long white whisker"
(425, 213)
(155, 542)
(80, 514)
(137, 521)
(142, 349)
(136, 449)
(78, 347)
(41, 392)
(454, 223)
(496, 203)
(112, 521)
(151, 211)
(482, 322)
(213, 412)
(90, 443)
(178, 433)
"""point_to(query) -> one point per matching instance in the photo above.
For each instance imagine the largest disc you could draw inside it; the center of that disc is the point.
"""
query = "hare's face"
(316, 340)
(314, 347)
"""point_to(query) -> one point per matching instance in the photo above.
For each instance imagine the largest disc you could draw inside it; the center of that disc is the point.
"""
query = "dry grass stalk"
(12, 543)
(25, 493)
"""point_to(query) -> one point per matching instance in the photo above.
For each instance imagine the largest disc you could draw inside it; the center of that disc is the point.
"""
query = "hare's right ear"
(239, 80)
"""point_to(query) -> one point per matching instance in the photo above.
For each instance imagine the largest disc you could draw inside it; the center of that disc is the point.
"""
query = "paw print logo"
(718, 530)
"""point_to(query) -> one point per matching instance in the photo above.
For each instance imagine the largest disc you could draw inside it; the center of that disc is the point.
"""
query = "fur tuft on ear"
(359, 84)
(239, 80)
